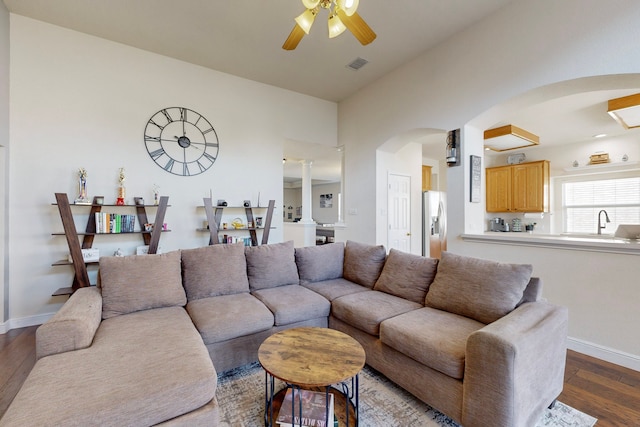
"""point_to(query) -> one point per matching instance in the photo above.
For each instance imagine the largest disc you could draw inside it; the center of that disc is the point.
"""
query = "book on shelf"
(314, 409)
(114, 223)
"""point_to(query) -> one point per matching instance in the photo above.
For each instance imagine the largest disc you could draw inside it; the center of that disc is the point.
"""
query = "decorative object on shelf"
(118, 252)
(625, 158)
(156, 194)
(82, 198)
(221, 202)
(121, 189)
(599, 158)
(88, 255)
(148, 227)
(575, 164)
(246, 203)
(342, 17)
(237, 223)
(181, 141)
(258, 221)
(140, 201)
(516, 159)
(453, 148)
(98, 200)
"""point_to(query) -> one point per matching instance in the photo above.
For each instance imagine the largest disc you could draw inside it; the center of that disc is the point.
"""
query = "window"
(584, 197)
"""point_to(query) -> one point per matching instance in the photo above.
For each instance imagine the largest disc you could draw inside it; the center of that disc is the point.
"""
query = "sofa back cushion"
(479, 289)
(271, 265)
(214, 270)
(363, 263)
(407, 275)
(318, 263)
(140, 282)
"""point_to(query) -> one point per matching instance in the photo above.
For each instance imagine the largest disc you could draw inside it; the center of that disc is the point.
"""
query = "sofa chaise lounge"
(470, 337)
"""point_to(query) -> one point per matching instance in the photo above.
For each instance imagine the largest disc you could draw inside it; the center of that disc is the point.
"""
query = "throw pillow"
(363, 263)
(479, 289)
(317, 263)
(140, 282)
(407, 275)
(214, 270)
(271, 265)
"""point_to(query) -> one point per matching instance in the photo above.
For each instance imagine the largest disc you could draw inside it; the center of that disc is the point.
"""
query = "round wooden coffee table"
(313, 358)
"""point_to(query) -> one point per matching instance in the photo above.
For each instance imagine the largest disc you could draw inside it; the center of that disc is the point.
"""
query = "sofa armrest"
(514, 367)
(73, 326)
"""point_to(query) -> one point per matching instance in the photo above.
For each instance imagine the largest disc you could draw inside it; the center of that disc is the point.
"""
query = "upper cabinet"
(518, 188)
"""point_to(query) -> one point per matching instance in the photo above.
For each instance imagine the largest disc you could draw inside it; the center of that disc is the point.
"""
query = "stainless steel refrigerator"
(434, 223)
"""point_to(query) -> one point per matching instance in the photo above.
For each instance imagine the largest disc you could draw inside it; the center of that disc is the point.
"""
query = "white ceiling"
(244, 38)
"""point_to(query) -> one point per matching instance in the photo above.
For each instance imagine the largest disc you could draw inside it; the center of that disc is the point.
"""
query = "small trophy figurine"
(156, 194)
(121, 190)
(82, 198)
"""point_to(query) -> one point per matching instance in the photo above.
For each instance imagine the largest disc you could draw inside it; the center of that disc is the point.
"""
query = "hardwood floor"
(606, 391)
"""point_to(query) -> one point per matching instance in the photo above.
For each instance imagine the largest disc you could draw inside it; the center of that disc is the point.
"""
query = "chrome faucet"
(600, 224)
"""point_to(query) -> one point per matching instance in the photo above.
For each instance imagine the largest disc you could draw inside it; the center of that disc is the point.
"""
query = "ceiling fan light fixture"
(305, 20)
(626, 110)
(349, 6)
(509, 138)
(336, 27)
(310, 4)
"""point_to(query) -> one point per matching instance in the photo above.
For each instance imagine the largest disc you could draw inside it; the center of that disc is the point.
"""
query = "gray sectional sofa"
(470, 337)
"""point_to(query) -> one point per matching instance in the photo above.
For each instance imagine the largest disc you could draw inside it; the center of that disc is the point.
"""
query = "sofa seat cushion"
(435, 338)
(271, 265)
(317, 263)
(336, 288)
(143, 368)
(293, 303)
(481, 289)
(407, 275)
(365, 310)
(214, 270)
(229, 316)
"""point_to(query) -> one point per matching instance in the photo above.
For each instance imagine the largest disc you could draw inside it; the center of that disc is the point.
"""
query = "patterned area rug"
(382, 404)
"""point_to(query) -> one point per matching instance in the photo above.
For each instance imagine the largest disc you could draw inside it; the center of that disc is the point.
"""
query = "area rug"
(382, 404)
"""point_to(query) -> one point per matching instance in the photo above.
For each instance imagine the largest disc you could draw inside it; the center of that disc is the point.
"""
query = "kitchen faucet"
(600, 225)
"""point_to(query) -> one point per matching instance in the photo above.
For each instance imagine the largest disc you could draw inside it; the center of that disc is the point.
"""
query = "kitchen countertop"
(593, 243)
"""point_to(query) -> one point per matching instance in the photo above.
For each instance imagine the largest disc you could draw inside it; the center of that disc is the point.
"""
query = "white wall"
(524, 46)
(80, 101)
(4, 161)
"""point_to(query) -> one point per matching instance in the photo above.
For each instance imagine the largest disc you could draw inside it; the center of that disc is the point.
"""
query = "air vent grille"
(357, 63)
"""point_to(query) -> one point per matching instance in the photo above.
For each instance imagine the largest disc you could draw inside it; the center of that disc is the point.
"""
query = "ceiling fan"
(342, 16)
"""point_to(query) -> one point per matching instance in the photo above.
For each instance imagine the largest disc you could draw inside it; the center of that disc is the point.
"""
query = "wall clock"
(181, 141)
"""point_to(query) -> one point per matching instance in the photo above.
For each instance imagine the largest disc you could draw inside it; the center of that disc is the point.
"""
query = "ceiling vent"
(357, 63)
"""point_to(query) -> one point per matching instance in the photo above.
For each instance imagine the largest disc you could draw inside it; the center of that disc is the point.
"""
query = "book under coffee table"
(312, 358)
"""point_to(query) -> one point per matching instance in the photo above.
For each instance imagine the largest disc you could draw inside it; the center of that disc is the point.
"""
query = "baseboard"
(23, 322)
(617, 357)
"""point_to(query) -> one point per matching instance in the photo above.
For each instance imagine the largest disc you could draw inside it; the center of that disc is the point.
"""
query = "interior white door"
(399, 213)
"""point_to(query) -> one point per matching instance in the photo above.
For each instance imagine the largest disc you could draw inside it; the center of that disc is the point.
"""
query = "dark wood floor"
(606, 391)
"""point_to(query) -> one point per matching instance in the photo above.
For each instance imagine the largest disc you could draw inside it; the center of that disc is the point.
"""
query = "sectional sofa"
(470, 337)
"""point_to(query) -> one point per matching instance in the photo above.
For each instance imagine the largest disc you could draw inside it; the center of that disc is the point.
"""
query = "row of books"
(114, 223)
(236, 239)
(314, 409)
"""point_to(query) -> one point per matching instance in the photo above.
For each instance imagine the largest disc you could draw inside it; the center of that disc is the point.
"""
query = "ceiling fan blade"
(357, 26)
(294, 38)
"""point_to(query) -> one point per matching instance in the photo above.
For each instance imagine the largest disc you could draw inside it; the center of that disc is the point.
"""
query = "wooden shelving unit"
(214, 217)
(81, 277)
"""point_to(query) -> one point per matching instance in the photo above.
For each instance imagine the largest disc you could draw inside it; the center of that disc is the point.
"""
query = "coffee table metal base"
(345, 400)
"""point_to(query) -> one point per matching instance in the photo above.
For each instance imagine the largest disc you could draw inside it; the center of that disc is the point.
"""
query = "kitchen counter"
(593, 243)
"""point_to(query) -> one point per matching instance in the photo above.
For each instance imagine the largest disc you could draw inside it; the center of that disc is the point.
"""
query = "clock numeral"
(211, 144)
(183, 114)
(204, 132)
(166, 114)
(185, 170)
(154, 123)
(155, 155)
(201, 166)
(169, 166)
(209, 157)
(152, 138)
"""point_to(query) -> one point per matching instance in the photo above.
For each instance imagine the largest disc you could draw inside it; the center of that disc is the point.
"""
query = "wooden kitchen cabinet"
(518, 188)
